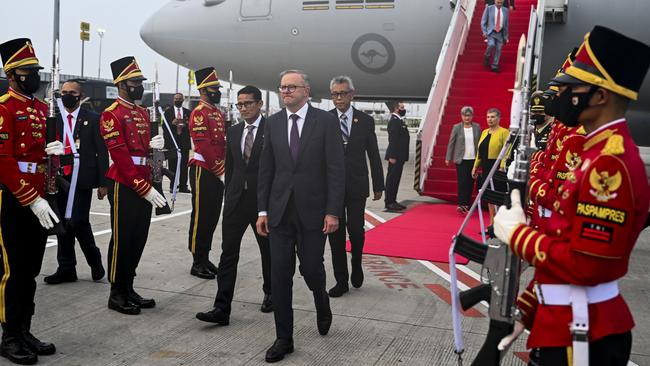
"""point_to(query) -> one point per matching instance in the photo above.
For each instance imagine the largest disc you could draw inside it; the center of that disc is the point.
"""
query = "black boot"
(199, 269)
(34, 344)
(14, 348)
(204, 258)
(119, 300)
(139, 300)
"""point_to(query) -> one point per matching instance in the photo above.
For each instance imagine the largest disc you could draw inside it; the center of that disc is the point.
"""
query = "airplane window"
(212, 2)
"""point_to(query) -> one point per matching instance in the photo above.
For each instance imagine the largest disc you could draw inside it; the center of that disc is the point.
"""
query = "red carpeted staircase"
(474, 85)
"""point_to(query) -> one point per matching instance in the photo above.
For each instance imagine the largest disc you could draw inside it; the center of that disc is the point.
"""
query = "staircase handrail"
(452, 47)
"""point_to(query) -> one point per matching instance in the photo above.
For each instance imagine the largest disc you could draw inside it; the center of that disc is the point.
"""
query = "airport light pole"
(100, 33)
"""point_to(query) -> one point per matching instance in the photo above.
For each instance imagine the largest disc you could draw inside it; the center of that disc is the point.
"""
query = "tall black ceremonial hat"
(18, 54)
(207, 77)
(126, 68)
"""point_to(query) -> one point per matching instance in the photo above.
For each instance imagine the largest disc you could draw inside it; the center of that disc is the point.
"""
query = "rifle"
(157, 155)
(501, 267)
(53, 162)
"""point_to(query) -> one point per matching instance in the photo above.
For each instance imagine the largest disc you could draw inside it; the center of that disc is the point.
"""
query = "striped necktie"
(345, 132)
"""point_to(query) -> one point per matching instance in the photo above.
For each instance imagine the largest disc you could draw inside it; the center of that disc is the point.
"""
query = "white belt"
(28, 167)
(139, 160)
(544, 212)
(579, 298)
(199, 157)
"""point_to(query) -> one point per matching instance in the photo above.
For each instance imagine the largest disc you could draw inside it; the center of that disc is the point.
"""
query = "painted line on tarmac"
(51, 242)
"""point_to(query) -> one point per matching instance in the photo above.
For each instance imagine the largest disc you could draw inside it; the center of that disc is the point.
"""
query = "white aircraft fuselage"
(384, 46)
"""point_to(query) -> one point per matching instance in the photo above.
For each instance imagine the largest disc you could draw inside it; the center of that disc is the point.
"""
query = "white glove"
(222, 178)
(506, 220)
(511, 171)
(508, 340)
(54, 148)
(157, 142)
(156, 199)
(44, 212)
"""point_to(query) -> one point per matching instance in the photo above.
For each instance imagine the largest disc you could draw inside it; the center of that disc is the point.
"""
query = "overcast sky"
(120, 18)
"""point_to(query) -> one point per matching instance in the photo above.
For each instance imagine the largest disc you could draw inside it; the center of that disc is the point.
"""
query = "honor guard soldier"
(125, 128)
(599, 211)
(207, 169)
(25, 215)
(542, 122)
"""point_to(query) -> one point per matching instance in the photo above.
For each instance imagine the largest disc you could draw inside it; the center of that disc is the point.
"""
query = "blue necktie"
(345, 133)
(294, 137)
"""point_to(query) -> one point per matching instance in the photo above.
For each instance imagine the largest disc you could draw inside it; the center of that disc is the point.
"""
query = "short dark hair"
(79, 83)
(249, 89)
(391, 105)
(179, 93)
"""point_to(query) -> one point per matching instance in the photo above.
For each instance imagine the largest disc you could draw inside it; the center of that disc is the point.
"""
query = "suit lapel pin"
(355, 120)
(85, 123)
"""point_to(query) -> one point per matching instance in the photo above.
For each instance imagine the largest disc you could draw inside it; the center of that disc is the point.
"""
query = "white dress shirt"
(243, 135)
(302, 114)
(65, 115)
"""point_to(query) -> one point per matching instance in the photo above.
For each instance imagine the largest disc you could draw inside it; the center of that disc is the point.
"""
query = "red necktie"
(67, 169)
(497, 26)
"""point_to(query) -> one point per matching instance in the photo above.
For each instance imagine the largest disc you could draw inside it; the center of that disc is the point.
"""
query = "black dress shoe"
(119, 300)
(201, 271)
(215, 315)
(278, 350)
(15, 349)
(401, 206)
(393, 207)
(495, 69)
(135, 298)
(60, 277)
(267, 304)
(323, 313)
(34, 344)
(97, 272)
(338, 290)
(211, 266)
(356, 278)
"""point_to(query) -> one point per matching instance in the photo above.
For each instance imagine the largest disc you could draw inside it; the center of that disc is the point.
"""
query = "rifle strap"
(69, 136)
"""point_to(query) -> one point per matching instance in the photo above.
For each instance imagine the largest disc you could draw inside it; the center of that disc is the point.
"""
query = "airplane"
(388, 47)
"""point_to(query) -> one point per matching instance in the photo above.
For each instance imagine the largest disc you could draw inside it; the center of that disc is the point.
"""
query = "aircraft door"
(255, 8)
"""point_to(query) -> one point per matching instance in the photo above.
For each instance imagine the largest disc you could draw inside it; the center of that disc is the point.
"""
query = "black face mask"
(551, 106)
(70, 101)
(135, 92)
(215, 97)
(178, 103)
(537, 119)
(571, 105)
(29, 83)
(402, 112)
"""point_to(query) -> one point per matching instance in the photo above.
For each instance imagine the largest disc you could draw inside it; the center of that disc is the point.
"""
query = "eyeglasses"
(246, 104)
(289, 88)
(336, 95)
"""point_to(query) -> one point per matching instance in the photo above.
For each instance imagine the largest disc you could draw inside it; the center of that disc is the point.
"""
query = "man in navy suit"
(359, 139)
(494, 25)
(300, 199)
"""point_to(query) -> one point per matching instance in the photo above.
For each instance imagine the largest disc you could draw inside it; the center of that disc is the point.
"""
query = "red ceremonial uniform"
(208, 131)
(126, 132)
(597, 216)
(22, 139)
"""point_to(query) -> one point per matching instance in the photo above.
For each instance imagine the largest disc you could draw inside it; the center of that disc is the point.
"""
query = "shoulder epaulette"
(111, 107)
(199, 107)
(614, 145)
(4, 98)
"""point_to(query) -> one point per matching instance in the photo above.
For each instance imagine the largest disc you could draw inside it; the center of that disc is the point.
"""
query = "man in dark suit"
(359, 139)
(243, 148)
(397, 153)
(177, 117)
(300, 199)
(93, 164)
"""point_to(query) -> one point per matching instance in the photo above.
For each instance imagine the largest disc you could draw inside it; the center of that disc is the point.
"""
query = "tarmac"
(396, 322)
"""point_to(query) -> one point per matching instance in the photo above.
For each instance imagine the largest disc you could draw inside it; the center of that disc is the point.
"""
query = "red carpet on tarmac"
(423, 232)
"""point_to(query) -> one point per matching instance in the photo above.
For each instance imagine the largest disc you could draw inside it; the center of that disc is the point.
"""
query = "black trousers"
(172, 161)
(612, 350)
(465, 182)
(207, 198)
(77, 227)
(22, 245)
(352, 220)
(130, 220)
(287, 239)
(393, 176)
(233, 228)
